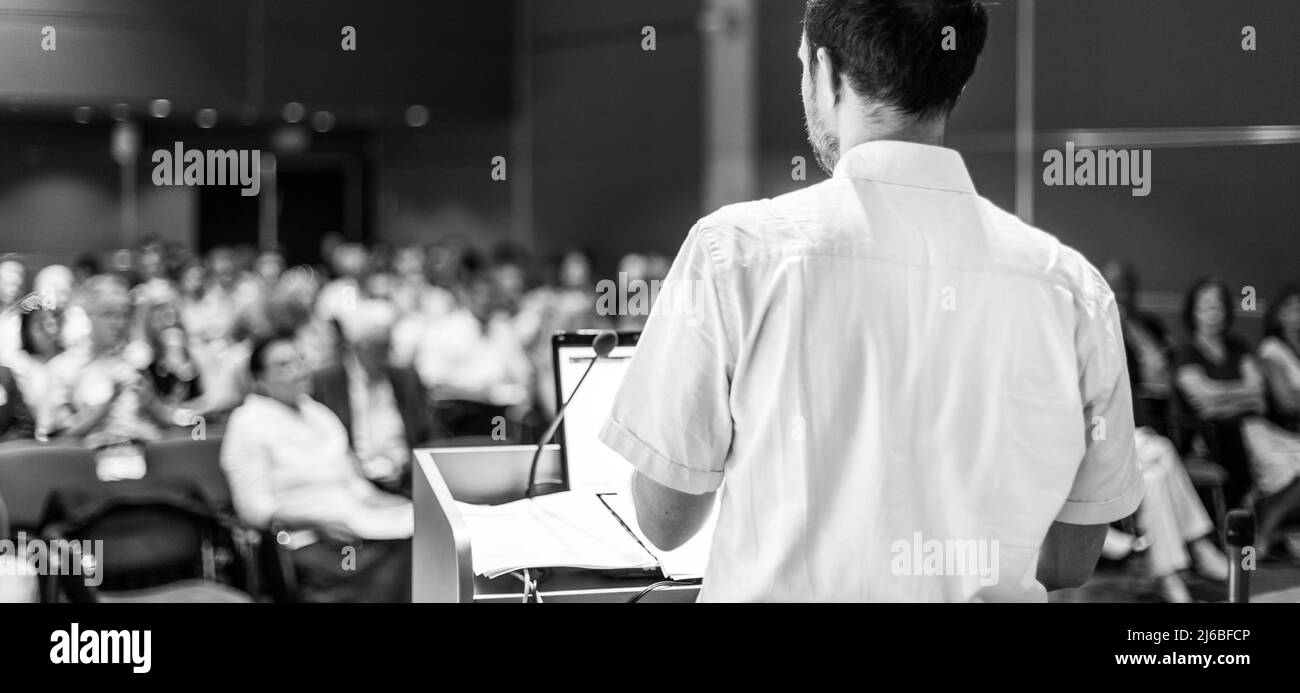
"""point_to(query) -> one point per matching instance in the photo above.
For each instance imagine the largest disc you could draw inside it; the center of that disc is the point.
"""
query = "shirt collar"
(906, 163)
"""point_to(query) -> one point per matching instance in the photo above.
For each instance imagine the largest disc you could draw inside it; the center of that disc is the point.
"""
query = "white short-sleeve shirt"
(896, 386)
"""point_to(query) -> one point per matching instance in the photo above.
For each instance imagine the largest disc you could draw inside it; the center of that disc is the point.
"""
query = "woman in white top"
(1279, 357)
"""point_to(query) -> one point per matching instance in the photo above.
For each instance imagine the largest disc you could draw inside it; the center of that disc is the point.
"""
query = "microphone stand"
(602, 347)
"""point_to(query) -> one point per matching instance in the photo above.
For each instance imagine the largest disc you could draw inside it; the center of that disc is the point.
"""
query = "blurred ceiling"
(251, 57)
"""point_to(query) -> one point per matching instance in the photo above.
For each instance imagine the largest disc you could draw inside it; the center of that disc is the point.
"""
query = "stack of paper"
(572, 529)
(682, 563)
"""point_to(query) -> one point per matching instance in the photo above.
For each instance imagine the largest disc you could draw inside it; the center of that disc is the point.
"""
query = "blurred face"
(285, 375)
(110, 316)
(192, 279)
(12, 276)
(151, 263)
(444, 264)
(575, 271)
(270, 266)
(350, 260)
(43, 330)
(223, 266)
(409, 262)
(478, 298)
(1289, 314)
(1209, 312)
(163, 317)
(509, 280)
(818, 109)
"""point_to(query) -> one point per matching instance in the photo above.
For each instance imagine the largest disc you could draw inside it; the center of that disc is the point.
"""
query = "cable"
(660, 584)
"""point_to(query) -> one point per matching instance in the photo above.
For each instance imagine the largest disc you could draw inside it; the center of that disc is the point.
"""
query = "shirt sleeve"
(1108, 484)
(671, 418)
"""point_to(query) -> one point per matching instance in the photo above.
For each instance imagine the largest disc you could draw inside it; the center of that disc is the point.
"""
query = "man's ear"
(827, 74)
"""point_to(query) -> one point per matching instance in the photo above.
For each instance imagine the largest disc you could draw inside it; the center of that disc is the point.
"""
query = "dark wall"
(1232, 211)
(616, 130)
(1166, 63)
(59, 187)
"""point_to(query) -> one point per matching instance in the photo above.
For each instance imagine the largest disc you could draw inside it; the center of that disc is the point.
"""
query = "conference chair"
(161, 543)
(28, 473)
(198, 461)
(1209, 477)
(15, 587)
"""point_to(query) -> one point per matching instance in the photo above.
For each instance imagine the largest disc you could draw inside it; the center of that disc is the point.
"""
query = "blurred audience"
(42, 330)
(13, 278)
(16, 420)
(473, 361)
(1279, 355)
(98, 391)
(383, 406)
(1148, 345)
(1219, 401)
(289, 465)
(332, 374)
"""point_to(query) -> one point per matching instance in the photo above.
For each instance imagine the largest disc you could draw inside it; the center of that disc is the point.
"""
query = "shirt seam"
(624, 429)
(915, 186)
(713, 252)
(723, 273)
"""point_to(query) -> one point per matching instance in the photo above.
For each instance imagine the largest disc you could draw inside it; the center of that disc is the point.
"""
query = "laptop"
(585, 463)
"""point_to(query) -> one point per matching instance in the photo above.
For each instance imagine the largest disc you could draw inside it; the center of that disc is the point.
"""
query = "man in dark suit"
(16, 420)
(384, 407)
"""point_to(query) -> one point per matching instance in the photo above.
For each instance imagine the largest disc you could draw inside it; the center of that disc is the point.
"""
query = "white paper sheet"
(571, 529)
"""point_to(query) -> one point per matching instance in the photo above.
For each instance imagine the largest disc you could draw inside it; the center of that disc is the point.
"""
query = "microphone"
(603, 345)
(1240, 534)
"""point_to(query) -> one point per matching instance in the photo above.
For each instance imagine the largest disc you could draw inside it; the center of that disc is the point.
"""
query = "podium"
(442, 549)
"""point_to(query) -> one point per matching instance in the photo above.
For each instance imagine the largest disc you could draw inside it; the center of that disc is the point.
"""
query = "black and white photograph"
(402, 303)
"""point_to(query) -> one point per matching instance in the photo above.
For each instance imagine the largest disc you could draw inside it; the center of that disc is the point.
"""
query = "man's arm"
(1069, 554)
(671, 419)
(668, 517)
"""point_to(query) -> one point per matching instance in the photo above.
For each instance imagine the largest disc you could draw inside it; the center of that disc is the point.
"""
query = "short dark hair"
(257, 355)
(1189, 302)
(892, 50)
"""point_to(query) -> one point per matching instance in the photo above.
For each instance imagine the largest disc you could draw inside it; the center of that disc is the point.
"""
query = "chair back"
(198, 461)
(28, 474)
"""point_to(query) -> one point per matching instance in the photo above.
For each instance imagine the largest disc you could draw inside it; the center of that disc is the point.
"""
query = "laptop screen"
(590, 465)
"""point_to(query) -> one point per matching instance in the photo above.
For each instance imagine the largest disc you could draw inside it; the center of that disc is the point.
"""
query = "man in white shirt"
(898, 391)
(287, 460)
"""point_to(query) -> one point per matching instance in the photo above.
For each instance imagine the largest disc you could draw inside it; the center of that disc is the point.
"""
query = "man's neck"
(860, 128)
